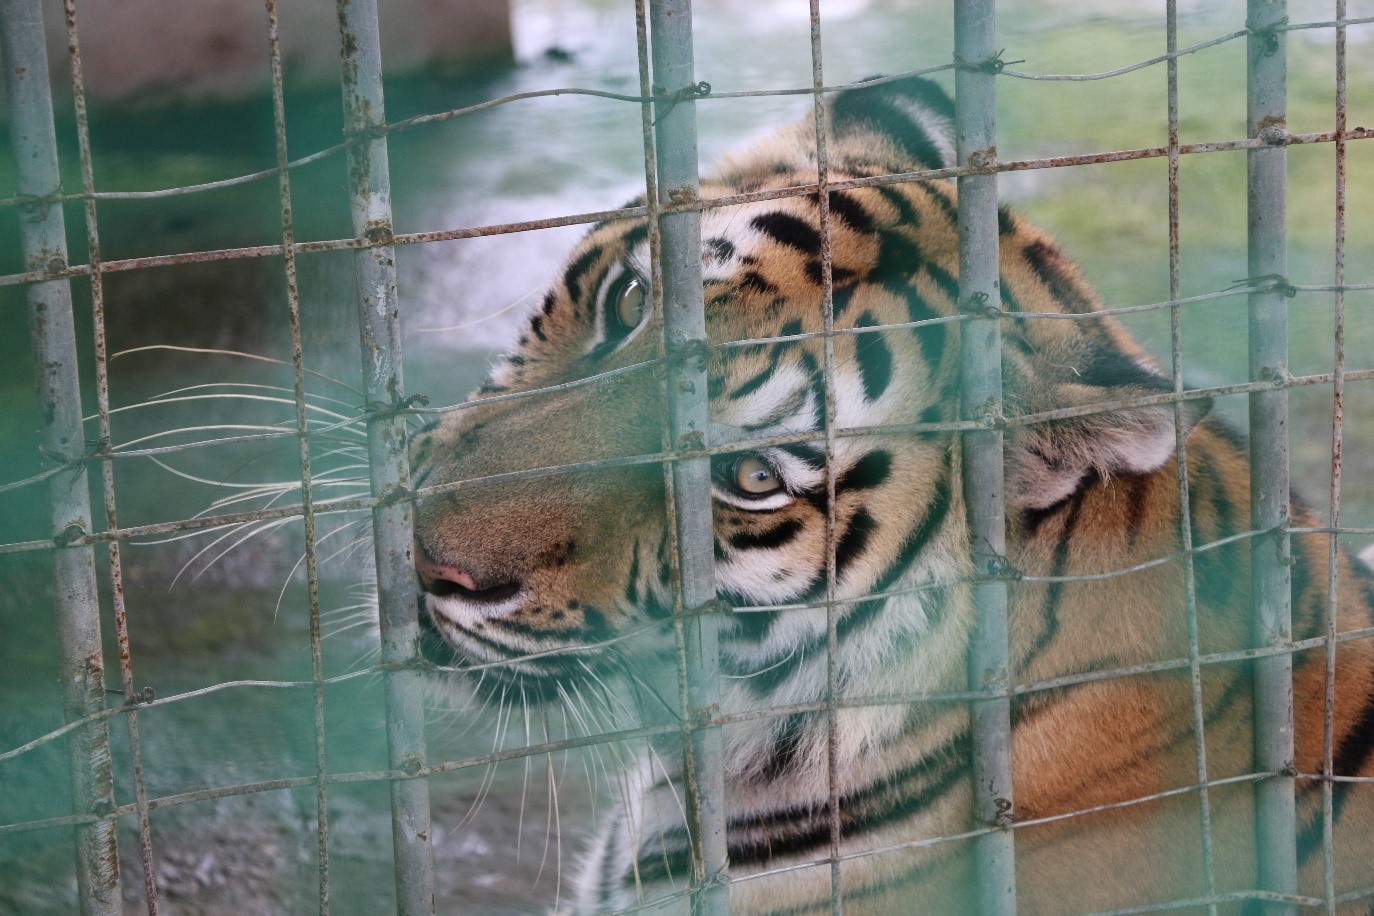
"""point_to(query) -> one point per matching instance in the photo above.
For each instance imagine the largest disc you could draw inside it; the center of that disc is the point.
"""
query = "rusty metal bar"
(1185, 509)
(312, 574)
(1337, 450)
(975, 126)
(420, 238)
(63, 443)
(1271, 594)
(832, 639)
(450, 114)
(102, 392)
(684, 314)
(392, 519)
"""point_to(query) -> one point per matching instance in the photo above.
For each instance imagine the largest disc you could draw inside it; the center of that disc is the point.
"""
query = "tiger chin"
(553, 580)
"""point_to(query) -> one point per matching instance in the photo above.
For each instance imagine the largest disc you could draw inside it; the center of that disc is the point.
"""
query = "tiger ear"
(914, 114)
(1050, 461)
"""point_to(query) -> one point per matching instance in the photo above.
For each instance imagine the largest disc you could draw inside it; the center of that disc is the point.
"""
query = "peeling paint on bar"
(673, 174)
(975, 127)
(392, 525)
(1269, 473)
(53, 335)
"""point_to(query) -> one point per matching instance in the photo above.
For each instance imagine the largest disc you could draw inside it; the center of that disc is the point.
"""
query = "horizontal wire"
(349, 504)
(414, 238)
(754, 714)
(286, 433)
(453, 113)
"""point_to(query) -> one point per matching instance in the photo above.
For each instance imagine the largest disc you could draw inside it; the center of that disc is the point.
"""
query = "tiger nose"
(443, 579)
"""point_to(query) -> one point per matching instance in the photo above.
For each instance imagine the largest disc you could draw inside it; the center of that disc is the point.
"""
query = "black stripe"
(907, 214)
(851, 546)
(1059, 563)
(875, 359)
(943, 279)
(899, 257)
(866, 109)
(753, 280)
(865, 612)
(789, 230)
(1050, 265)
(813, 455)
(797, 830)
(862, 614)
(932, 337)
(1216, 583)
(848, 209)
(638, 234)
(786, 746)
(942, 200)
(1137, 487)
(872, 470)
(754, 383)
(1108, 367)
(816, 274)
(1006, 221)
(1357, 744)
(577, 272)
(721, 249)
(778, 536)
(632, 589)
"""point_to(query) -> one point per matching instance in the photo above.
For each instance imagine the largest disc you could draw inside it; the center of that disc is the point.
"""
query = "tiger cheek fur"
(565, 564)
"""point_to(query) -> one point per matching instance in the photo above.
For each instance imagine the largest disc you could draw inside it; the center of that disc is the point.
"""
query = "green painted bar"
(981, 380)
(675, 140)
(52, 332)
(1269, 474)
(392, 524)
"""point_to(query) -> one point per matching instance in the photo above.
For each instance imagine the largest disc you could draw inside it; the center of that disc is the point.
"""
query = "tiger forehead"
(774, 249)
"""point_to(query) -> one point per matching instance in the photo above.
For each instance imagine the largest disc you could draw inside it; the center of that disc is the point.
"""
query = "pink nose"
(432, 572)
(443, 579)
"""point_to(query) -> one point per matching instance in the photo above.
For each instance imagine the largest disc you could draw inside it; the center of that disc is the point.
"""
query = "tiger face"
(568, 560)
(546, 556)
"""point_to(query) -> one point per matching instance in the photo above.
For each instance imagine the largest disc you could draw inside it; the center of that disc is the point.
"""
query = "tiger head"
(532, 568)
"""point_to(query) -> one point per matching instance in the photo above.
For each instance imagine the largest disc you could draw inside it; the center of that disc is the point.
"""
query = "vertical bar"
(1185, 508)
(107, 477)
(981, 382)
(392, 524)
(675, 138)
(832, 636)
(53, 335)
(312, 573)
(1269, 484)
(1337, 448)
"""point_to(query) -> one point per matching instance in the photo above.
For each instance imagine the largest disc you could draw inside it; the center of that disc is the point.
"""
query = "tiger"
(550, 581)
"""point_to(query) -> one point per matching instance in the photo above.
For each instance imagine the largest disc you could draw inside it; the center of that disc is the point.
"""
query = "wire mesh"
(668, 97)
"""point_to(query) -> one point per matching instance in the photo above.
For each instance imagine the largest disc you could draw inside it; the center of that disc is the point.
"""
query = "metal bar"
(107, 476)
(1185, 509)
(450, 114)
(1337, 449)
(1269, 474)
(832, 638)
(312, 574)
(675, 142)
(975, 128)
(53, 335)
(443, 235)
(392, 520)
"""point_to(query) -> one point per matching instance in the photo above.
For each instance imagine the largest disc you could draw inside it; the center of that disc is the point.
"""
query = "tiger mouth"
(493, 664)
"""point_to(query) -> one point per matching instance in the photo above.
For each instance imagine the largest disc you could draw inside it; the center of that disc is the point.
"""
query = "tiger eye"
(629, 308)
(754, 477)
